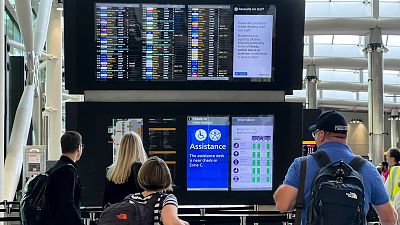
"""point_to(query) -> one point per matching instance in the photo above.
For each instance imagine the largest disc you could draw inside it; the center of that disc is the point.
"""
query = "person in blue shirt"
(330, 134)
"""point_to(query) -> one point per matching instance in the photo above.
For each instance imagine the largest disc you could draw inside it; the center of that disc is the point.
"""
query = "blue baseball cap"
(330, 121)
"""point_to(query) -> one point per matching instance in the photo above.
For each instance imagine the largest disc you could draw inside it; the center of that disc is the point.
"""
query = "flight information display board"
(190, 45)
(118, 39)
(163, 42)
(225, 152)
(209, 42)
(156, 42)
(252, 153)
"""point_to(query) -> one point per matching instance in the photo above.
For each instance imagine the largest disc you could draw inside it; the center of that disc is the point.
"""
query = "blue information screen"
(208, 153)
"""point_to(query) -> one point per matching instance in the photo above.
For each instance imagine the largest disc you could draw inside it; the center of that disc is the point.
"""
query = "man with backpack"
(64, 188)
(337, 186)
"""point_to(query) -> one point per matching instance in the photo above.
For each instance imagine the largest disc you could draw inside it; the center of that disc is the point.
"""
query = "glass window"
(388, 98)
(393, 40)
(323, 39)
(391, 79)
(346, 39)
(338, 94)
(299, 93)
(341, 75)
(363, 96)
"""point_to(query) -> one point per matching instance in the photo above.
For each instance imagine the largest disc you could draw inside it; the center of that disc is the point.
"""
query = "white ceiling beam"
(350, 26)
(348, 63)
(354, 87)
(342, 104)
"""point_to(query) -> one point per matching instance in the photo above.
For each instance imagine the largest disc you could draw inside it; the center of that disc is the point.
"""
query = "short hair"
(70, 141)
(395, 153)
(385, 165)
(155, 175)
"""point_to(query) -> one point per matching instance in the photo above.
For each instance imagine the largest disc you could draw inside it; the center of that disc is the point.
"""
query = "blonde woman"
(121, 176)
(155, 178)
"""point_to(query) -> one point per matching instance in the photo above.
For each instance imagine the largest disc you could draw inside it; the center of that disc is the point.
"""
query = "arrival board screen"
(229, 153)
(174, 42)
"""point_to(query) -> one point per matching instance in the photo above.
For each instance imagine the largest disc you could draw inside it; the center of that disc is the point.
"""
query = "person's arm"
(169, 216)
(387, 214)
(286, 194)
(65, 187)
(285, 198)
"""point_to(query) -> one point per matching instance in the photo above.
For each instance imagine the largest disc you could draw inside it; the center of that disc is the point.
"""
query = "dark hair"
(70, 141)
(379, 168)
(385, 165)
(155, 175)
(395, 153)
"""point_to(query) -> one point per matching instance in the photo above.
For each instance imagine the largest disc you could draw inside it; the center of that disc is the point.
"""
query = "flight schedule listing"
(252, 148)
(164, 42)
(209, 42)
(207, 153)
(178, 42)
(118, 40)
(162, 140)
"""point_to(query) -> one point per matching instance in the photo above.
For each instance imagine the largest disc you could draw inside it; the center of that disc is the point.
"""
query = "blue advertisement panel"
(207, 153)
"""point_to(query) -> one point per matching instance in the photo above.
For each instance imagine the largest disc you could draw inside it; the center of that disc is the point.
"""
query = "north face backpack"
(33, 205)
(337, 195)
(129, 212)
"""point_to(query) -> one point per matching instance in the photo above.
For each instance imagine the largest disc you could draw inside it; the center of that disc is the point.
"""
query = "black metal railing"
(195, 214)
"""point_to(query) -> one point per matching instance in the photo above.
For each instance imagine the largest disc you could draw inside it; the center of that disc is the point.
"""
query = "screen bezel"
(287, 50)
(85, 117)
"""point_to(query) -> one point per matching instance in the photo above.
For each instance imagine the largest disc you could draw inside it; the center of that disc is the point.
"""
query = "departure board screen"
(172, 42)
(209, 42)
(162, 141)
(163, 42)
(118, 40)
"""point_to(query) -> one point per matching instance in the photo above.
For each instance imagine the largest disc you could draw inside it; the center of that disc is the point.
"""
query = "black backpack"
(129, 212)
(337, 196)
(33, 205)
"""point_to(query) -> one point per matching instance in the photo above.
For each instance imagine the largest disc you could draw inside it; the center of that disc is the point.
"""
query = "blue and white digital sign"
(208, 153)
(252, 153)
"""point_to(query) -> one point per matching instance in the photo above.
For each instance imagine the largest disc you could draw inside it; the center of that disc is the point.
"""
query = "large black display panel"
(211, 44)
(218, 153)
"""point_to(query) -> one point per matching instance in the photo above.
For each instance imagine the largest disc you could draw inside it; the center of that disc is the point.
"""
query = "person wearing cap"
(330, 134)
(391, 185)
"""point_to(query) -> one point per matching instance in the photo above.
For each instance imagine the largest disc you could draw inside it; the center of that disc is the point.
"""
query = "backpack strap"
(153, 200)
(322, 158)
(300, 193)
(357, 162)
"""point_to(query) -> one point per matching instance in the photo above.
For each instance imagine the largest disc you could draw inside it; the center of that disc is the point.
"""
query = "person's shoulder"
(64, 169)
(169, 199)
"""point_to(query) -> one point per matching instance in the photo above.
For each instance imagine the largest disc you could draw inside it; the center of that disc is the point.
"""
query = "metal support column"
(2, 100)
(375, 50)
(311, 87)
(394, 128)
(53, 85)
